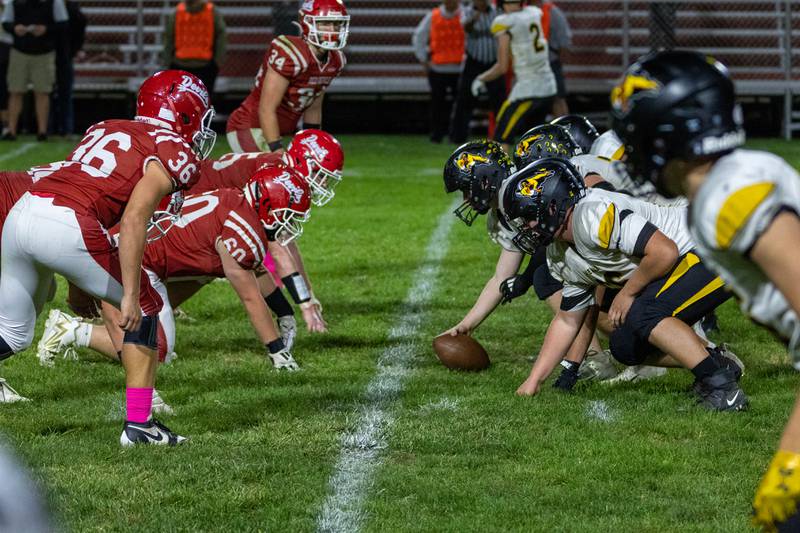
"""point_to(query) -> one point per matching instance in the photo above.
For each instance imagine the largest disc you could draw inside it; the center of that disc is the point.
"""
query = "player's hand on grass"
(514, 287)
(777, 496)
(618, 311)
(283, 360)
(530, 387)
(130, 314)
(313, 318)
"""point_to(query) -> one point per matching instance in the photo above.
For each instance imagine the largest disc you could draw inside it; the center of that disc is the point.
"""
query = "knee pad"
(544, 283)
(147, 335)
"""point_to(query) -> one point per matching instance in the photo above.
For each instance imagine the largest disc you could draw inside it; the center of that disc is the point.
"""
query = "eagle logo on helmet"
(532, 185)
(467, 160)
(631, 86)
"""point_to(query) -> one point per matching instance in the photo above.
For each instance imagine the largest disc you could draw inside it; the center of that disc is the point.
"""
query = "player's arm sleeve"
(283, 58)
(179, 160)
(576, 297)
(421, 37)
(242, 241)
(608, 227)
(500, 25)
(743, 217)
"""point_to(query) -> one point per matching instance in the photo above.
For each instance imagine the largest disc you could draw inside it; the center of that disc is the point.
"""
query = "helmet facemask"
(285, 225)
(322, 182)
(164, 217)
(337, 37)
(204, 138)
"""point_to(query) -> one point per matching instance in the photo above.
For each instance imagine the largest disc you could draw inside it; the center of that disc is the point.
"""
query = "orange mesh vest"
(194, 33)
(447, 39)
(546, 19)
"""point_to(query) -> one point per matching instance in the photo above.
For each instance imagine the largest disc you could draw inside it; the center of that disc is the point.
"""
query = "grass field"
(448, 452)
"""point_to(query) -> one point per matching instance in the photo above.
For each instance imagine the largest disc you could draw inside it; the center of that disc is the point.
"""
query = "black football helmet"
(674, 105)
(543, 192)
(546, 140)
(581, 130)
(476, 169)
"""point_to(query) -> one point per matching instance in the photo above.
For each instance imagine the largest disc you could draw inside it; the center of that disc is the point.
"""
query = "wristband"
(572, 366)
(312, 126)
(275, 346)
(274, 146)
(297, 288)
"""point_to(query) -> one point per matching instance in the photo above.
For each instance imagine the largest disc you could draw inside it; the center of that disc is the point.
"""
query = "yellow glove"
(778, 494)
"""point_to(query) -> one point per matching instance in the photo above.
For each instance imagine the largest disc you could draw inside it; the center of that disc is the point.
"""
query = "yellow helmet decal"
(631, 85)
(466, 161)
(524, 144)
(531, 185)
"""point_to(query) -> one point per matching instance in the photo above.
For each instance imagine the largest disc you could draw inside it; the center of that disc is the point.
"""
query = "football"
(460, 352)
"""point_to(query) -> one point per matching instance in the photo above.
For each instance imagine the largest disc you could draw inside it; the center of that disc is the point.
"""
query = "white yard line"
(599, 410)
(361, 446)
(27, 147)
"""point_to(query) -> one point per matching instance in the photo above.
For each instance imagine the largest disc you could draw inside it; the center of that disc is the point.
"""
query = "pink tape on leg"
(269, 264)
(138, 403)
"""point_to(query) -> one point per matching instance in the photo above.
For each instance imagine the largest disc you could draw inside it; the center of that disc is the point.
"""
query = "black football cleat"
(721, 392)
(151, 432)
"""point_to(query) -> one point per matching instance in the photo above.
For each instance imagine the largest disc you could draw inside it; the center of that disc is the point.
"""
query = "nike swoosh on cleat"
(733, 400)
(154, 437)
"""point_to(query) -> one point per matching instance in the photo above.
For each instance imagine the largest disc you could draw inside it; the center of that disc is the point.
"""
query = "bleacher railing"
(757, 39)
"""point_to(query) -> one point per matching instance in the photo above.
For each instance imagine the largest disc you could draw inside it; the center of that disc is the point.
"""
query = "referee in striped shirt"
(481, 54)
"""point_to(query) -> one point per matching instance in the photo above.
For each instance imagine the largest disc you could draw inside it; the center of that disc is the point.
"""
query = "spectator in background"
(195, 40)
(439, 45)
(34, 25)
(481, 53)
(5, 49)
(284, 18)
(559, 37)
(62, 110)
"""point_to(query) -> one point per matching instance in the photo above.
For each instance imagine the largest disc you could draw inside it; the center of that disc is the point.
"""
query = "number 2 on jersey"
(538, 46)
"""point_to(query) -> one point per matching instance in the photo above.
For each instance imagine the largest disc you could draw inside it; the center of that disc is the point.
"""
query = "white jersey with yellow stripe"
(499, 232)
(609, 170)
(608, 145)
(740, 197)
(610, 232)
(534, 77)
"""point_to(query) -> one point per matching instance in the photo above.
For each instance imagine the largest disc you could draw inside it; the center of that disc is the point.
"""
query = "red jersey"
(188, 249)
(12, 186)
(292, 58)
(233, 171)
(97, 178)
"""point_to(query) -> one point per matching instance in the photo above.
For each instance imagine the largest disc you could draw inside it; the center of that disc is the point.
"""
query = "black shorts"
(689, 292)
(558, 73)
(517, 117)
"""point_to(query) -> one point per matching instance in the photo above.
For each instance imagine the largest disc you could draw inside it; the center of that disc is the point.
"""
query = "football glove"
(283, 360)
(569, 376)
(478, 88)
(514, 287)
(777, 495)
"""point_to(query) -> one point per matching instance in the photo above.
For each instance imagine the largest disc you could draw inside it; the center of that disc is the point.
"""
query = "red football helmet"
(179, 100)
(325, 23)
(281, 197)
(164, 217)
(318, 156)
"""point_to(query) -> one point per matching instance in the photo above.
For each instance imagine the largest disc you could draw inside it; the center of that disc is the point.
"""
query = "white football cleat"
(58, 336)
(9, 395)
(597, 366)
(637, 373)
(151, 432)
(160, 407)
(288, 328)
(283, 360)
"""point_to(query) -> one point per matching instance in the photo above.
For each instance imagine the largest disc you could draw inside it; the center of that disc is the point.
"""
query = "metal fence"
(757, 39)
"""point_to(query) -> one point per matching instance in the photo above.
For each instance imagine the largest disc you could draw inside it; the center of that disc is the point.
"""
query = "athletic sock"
(705, 368)
(83, 334)
(279, 304)
(138, 404)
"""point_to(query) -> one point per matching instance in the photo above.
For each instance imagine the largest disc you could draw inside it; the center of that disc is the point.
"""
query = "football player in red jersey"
(221, 233)
(118, 174)
(292, 80)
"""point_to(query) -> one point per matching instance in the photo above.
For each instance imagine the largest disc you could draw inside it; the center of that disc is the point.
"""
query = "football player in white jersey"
(520, 38)
(631, 257)
(676, 112)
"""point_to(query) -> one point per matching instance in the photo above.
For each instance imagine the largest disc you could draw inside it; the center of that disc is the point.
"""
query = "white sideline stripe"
(27, 147)
(362, 445)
